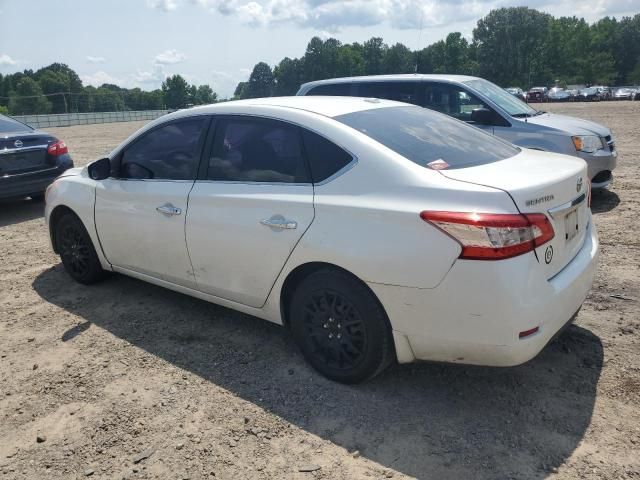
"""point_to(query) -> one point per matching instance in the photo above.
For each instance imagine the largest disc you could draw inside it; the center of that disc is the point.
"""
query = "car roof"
(325, 106)
(391, 78)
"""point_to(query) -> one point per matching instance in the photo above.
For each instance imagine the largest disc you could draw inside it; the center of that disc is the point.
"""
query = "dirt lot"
(91, 377)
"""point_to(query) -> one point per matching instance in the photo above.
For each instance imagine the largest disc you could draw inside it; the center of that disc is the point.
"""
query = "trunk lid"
(541, 182)
(24, 152)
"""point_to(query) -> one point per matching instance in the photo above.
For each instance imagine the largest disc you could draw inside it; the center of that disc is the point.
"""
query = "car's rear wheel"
(76, 250)
(340, 327)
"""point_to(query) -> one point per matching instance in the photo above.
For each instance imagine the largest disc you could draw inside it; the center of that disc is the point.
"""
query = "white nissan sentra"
(374, 230)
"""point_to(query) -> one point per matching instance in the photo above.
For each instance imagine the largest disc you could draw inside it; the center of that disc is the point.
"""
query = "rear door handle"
(279, 222)
(168, 209)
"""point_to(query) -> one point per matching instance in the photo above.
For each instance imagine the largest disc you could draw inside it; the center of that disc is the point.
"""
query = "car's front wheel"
(340, 327)
(76, 250)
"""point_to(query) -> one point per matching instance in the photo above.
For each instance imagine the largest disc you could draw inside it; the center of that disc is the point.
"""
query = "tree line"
(516, 46)
(58, 89)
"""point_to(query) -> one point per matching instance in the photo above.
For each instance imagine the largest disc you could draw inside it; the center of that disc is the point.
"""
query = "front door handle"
(169, 209)
(279, 222)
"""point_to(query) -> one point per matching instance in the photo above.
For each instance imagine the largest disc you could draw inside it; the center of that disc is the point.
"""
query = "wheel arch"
(302, 271)
(56, 214)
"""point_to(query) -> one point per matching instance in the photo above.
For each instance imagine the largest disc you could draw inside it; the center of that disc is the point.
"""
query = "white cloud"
(332, 15)
(99, 78)
(91, 59)
(166, 5)
(7, 60)
(170, 57)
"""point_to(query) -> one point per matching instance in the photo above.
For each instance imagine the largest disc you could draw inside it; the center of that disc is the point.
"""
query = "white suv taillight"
(492, 236)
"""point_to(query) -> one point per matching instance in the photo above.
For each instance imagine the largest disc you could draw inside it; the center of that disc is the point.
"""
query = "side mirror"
(100, 169)
(483, 116)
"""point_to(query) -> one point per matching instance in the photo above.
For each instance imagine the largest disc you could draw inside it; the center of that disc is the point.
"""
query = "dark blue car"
(29, 160)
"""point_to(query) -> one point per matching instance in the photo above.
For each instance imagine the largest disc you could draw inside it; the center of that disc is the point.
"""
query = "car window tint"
(451, 100)
(257, 150)
(170, 152)
(325, 157)
(337, 89)
(398, 91)
(9, 125)
(425, 137)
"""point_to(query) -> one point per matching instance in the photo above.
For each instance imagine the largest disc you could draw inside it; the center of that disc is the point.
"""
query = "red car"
(538, 94)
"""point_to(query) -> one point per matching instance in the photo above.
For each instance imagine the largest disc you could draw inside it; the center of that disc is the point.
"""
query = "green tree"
(373, 54)
(288, 76)
(399, 59)
(261, 82)
(176, 92)
(205, 95)
(28, 99)
(511, 44)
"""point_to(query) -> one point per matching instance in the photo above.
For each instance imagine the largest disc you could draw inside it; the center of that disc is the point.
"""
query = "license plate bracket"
(571, 225)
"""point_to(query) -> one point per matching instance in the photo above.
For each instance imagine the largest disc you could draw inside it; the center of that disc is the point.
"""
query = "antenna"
(419, 38)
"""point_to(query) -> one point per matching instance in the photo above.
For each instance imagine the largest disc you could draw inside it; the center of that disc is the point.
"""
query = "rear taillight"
(58, 148)
(492, 236)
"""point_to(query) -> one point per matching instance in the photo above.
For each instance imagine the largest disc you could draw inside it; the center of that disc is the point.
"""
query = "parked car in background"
(538, 94)
(517, 92)
(280, 212)
(591, 94)
(29, 160)
(636, 93)
(623, 93)
(557, 94)
(489, 107)
(605, 92)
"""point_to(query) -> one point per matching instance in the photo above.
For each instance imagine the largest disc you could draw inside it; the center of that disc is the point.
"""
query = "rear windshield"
(9, 125)
(429, 138)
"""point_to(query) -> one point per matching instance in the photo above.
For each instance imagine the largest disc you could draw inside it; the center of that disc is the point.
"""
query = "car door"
(454, 101)
(140, 213)
(250, 209)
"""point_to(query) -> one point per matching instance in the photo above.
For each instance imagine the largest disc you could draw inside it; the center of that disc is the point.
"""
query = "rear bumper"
(31, 183)
(476, 314)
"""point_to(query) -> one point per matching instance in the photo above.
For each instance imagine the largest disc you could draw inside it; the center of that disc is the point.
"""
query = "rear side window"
(398, 91)
(336, 89)
(428, 138)
(170, 152)
(249, 149)
(325, 158)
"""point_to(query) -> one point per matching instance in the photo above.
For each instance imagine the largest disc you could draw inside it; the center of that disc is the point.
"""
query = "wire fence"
(69, 119)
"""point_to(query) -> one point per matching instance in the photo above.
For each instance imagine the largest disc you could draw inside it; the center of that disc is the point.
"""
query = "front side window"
(250, 149)
(428, 138)
(451, 100)
(169, 152)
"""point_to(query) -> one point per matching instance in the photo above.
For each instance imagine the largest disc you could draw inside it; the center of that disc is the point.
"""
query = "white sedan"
(374, 230)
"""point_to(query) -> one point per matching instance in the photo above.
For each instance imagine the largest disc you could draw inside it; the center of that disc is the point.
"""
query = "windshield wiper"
(539, 112)
(522, 115)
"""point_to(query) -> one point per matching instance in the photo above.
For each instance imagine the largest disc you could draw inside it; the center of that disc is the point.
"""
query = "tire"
(340, 327)
(76, 250)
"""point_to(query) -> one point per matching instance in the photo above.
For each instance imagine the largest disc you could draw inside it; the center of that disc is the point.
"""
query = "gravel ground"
(127, 380)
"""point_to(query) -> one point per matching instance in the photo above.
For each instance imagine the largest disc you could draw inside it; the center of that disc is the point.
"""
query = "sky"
(137, 43)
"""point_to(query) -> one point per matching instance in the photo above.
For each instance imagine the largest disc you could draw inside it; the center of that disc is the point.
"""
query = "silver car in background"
(489, 107)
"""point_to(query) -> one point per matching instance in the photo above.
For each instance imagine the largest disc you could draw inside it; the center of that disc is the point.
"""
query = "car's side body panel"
(76, 191)
(138, 237)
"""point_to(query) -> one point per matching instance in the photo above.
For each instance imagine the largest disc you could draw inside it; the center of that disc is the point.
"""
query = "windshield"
(510, 104)
(429, 138)
(9, 125)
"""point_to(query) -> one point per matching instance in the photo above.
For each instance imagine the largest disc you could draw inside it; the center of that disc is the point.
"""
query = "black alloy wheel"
(340, 327)
(76, 251)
